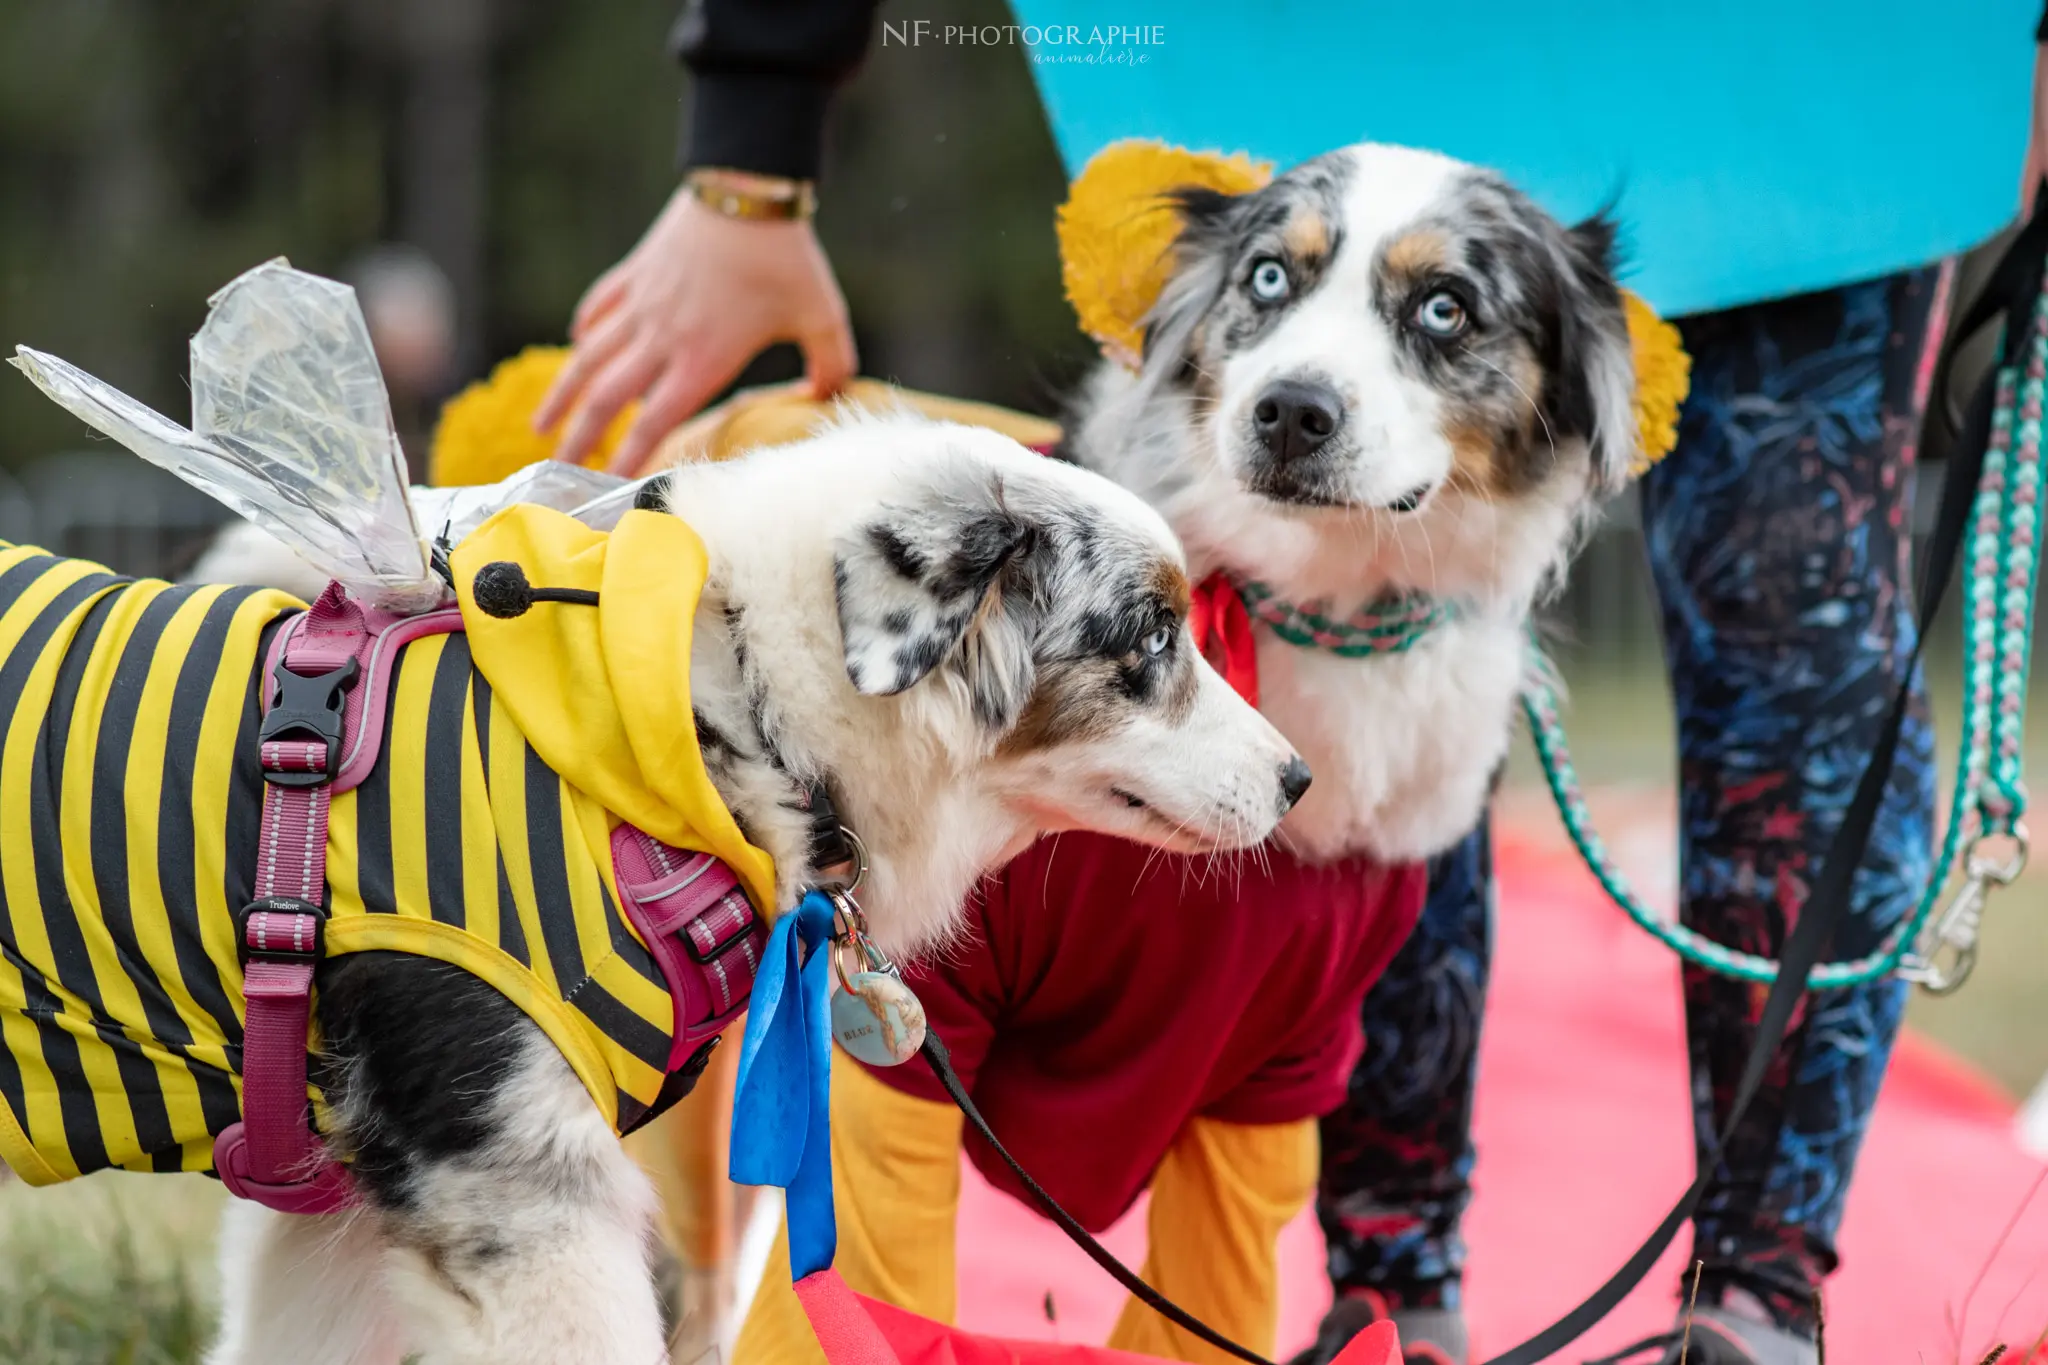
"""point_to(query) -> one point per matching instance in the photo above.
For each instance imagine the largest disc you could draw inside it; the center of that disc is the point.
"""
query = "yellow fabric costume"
(129, 779)
(1218, 1203)
(486, 433)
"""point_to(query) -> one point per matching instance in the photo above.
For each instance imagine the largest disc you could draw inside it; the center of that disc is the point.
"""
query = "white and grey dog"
(968, 645)
(1385, 373)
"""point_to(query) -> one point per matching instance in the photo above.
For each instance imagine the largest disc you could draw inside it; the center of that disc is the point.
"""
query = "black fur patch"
(710, 739)
(425, 1046)
(900, 625)
(920, 654)
(652, 496)
(1545, 317)
(1118, 635)
(1209, 309)
(986, 544)
(898, 552)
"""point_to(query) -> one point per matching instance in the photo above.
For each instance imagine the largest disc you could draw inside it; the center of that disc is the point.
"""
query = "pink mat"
(1584, 1143)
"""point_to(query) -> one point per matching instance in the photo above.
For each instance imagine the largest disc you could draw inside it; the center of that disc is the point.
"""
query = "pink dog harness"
(323, 726)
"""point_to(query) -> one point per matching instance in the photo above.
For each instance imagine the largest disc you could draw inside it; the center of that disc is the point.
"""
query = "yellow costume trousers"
(1219, 1200)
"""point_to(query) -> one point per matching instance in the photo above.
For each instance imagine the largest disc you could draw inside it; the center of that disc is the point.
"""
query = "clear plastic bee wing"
(291, 428)
(142, 429)
(602, 512)
(285, 380)
(451, 513)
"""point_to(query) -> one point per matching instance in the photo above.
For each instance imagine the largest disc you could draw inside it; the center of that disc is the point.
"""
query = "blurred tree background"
(150, 150)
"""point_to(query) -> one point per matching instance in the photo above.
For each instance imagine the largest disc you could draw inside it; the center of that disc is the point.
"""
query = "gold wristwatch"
(752, 198)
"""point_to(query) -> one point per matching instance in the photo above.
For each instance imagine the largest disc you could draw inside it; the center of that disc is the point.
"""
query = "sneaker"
(1429, 1336)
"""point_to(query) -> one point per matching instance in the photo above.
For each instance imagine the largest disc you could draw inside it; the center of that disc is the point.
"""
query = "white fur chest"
(1404, 747)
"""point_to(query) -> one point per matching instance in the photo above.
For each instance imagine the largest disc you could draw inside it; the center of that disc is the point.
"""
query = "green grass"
(113, 1270)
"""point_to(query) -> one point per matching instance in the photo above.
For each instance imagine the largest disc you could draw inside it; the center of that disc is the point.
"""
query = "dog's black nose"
(1293, 418)
(1294, 780)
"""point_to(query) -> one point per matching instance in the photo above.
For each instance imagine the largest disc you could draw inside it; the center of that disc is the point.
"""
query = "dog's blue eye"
(1269, 281)
(1441, 315)
(1155, 643)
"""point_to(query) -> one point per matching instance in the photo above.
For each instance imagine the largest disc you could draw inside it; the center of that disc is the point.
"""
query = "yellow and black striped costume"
(130, 804)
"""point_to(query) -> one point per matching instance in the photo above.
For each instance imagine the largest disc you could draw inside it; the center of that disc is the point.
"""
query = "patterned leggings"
(1778, 540)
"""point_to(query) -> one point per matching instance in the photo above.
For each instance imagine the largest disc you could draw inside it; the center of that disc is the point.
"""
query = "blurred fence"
(110, 507)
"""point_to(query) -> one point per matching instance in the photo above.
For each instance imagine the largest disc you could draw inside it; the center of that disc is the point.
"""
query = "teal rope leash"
(1985, 829)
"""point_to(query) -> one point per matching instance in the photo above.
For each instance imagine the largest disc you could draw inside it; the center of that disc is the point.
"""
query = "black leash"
(942, 1066)
(2012, 290)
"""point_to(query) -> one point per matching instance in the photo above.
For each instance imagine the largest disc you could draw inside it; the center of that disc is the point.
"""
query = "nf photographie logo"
(1065, 44)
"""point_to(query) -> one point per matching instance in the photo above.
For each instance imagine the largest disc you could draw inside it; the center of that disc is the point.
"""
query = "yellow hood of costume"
(603, 693)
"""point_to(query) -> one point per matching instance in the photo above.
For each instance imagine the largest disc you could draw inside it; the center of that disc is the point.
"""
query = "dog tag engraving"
(877, 1019)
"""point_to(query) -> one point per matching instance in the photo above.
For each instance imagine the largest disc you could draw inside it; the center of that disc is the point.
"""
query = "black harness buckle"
(306, 708)
(280, 929)
(742, 929)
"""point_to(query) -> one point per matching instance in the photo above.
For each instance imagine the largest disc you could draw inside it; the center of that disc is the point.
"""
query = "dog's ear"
(939, 581)
(1592, 373)
(1200, 259)
(1119, 225)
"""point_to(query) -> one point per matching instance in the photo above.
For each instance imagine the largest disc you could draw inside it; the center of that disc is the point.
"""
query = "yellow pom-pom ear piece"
(1117, 230)
(1118, 226)
(486, 432)
(1663, 378)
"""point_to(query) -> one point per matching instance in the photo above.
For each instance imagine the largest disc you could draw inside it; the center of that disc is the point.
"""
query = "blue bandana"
(781, 1111)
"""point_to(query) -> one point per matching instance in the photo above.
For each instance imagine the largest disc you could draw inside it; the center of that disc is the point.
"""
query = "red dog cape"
(857, 1330)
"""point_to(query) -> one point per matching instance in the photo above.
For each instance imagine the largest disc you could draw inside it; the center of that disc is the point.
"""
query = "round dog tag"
(877, 1019)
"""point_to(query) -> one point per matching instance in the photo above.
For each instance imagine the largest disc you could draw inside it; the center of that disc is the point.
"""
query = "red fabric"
(839, 1319)
(1223, 632)
(1379, 1344)
(1111, 988)
(1585, 1137)
(921, 1341)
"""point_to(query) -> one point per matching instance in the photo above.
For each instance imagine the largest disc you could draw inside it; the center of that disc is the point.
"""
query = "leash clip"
(856, 853)
(1947, 951)
(850, 931)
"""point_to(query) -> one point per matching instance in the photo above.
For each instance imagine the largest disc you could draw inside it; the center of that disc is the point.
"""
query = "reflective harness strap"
(273, 1155)
(704, 936)
(322, 727)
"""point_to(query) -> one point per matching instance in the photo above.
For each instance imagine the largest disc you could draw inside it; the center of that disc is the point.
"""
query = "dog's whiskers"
(1548, 435)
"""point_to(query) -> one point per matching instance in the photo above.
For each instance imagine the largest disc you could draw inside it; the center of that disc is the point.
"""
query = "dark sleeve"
(763, 72)
(2041, 29)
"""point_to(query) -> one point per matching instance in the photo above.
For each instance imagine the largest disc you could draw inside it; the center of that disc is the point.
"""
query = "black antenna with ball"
(500, 589)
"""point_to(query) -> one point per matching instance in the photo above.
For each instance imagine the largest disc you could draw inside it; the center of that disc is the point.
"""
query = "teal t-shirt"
(1753, 148)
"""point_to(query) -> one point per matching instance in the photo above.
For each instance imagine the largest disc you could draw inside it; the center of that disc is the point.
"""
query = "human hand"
(680, 317)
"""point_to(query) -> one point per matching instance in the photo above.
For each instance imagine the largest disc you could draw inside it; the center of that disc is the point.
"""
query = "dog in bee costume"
(394, 911)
